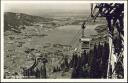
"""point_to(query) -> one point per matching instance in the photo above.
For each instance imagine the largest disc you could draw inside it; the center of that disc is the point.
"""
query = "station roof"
(85, 39)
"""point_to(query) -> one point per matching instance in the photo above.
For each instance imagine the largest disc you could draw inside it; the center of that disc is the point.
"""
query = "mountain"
(14, 20)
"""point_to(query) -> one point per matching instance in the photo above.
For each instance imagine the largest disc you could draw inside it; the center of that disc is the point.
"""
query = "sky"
(46, 7)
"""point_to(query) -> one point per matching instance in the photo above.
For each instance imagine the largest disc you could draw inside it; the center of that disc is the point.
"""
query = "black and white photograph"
(63, 40)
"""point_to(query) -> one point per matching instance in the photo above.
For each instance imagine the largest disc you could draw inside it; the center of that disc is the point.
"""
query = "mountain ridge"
(14, 20)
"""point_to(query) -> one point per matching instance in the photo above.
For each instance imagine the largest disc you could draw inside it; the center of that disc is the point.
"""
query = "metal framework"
(114, 13)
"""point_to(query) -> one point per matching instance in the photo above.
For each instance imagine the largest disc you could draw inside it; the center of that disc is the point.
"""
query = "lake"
(61, 35)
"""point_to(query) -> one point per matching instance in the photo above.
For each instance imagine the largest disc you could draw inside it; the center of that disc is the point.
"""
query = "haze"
(40, 9)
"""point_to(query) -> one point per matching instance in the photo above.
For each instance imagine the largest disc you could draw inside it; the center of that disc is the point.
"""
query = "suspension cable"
(84, 23)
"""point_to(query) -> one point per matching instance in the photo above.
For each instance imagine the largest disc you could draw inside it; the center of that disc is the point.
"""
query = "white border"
(64, 80)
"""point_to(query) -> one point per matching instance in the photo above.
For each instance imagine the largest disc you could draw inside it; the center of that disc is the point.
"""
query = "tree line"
(92, 64)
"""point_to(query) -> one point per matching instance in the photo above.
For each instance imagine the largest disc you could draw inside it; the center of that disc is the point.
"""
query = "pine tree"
(94, 63)
(105, 56)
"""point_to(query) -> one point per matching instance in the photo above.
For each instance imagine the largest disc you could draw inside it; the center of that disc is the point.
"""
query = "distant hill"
(14, 20)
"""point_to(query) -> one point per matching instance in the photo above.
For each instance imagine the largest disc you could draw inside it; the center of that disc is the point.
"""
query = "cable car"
(85, 43)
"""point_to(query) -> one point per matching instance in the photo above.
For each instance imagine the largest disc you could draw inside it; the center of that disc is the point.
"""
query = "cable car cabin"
(85, 43)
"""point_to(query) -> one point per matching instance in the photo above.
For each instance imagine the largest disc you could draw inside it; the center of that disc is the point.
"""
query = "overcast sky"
(44, 8)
